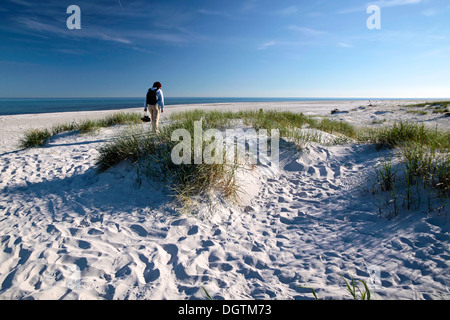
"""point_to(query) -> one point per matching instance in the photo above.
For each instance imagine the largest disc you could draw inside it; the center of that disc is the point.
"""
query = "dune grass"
(441, 110)
(35, 138)
(419, 112)
(436, 107)
(420, 181)
(444, 103)
(405, 132)
(287, 123)
(422, 174)
(151, 154)
(427, 166)
(424, 152)
(39, 137)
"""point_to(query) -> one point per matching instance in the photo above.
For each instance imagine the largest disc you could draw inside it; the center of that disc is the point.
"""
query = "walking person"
(155, 103)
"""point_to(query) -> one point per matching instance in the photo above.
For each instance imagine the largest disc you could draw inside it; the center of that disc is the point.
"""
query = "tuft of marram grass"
(39, 137)
(428, 165)
(151, 154)
(34, 138)
(421, 176)
(64, 127)
(119, 118)
(333, 127)
(405, 132)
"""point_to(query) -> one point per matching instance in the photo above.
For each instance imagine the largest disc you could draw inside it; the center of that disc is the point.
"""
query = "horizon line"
(242, 97)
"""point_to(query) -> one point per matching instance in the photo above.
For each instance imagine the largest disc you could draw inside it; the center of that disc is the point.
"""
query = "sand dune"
(70, 232)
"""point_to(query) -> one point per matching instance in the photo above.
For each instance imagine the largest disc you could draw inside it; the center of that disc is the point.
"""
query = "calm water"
(26, 106)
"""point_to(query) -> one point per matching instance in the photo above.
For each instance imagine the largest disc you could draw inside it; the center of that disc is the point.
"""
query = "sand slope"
(68, 232)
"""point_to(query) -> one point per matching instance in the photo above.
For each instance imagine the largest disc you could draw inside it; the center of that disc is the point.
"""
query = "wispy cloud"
(267, 45)
(22, 3)
(71, 51)
(170, 38)
(116, 21)
(307, 31)
(283, 43)
(222, 14)
(38, 26)
(394, 3)
(211, 12)
(344, 45)
(381, 4)
(120, 4)
(107, 37)
(288, 11)
(310, 38)
(62, 31)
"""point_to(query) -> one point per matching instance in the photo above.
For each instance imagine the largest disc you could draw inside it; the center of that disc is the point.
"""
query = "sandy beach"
(70, 232)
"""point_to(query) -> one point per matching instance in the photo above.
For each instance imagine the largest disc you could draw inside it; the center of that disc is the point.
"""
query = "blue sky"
(217, 48)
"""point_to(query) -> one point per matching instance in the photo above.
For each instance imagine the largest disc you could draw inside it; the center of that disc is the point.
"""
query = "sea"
(14, 106)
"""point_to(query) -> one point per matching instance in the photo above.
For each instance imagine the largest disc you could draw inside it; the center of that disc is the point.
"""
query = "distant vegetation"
(421, 112)
(434, 107)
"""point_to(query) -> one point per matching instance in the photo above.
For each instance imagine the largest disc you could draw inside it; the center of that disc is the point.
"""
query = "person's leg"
(157, 115)
(152, 115)
(154, 111)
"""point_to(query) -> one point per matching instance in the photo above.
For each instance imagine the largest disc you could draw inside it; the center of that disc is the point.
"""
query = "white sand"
(68, 232)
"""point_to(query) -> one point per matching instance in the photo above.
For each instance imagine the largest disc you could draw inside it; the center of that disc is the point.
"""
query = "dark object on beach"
(335, 111)
(447, 114)
(145, 119)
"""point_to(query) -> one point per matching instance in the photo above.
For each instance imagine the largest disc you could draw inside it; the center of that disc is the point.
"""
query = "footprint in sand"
(84, 244)
(323, 171)
(150, 272)
(24, 255)
(311, 171)
(193, 230)
(95, 232)
(139, 230)
(125, 271)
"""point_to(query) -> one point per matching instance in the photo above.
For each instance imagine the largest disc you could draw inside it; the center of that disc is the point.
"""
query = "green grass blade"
(367, 292)
(352, 292)
(312, 290)
(207, 294)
